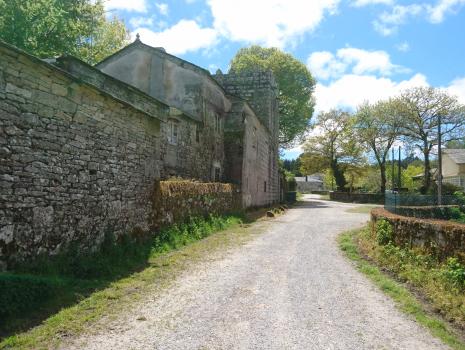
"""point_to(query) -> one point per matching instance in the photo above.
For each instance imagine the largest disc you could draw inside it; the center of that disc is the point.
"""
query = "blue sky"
(358, 50)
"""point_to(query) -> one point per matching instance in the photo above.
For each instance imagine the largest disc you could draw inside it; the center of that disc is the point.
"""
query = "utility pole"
(439, 175)
(392, 169)
(399, 173)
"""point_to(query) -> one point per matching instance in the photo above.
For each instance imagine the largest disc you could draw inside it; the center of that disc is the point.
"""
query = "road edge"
(405, 301)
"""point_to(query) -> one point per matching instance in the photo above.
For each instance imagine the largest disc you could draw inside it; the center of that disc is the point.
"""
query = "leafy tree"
(333, 146)
(377, 127)
(420, 109)
(293, 166)
(296, 86)
(48, 28)
(456, 144)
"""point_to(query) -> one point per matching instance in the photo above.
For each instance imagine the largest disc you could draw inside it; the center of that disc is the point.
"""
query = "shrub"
(384, 232)
(454, 271)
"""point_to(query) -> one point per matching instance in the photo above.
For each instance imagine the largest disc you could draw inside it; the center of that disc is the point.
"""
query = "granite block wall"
(75, 162)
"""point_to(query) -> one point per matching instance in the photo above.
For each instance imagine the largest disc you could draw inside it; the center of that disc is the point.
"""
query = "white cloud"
(162, 8)
(457, 88)
(360, 3)
(324, 64)
(351, 90)
(133, 5)
(437, 13)
(272, 22)
(137, 22)
(403, 47)
(389, 22)
(184, 36)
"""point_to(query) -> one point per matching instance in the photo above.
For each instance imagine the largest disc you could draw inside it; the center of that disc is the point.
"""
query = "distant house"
(309, 183)
(453, 166)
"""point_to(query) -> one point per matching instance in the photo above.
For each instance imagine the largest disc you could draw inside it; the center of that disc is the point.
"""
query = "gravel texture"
(290, 288)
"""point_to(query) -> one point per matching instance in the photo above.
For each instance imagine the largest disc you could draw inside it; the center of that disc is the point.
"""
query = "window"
(217, 123)
(264, 186)
(197, 134)
(217, 174)
(173, 132)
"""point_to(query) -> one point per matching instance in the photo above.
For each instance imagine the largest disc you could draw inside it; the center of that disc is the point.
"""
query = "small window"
(217, 123)
(264, 186)
(197, 134)
(217, 174)
(173, 132)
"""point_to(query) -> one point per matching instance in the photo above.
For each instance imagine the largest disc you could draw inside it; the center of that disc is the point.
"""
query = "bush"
(384, 232)
(454, 271)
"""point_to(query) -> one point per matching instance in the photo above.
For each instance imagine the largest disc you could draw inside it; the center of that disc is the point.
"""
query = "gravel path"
(290, 288)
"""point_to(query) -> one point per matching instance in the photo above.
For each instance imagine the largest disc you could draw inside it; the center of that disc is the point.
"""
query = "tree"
(334, 146)
(456, 144)
(49, 28)
(420, 109)
(293, 166)
(378, 128)
(295, 83)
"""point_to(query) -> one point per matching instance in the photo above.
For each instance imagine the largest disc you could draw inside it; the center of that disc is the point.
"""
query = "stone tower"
(260, 90)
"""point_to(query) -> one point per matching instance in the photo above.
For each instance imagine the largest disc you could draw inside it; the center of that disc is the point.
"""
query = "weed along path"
(289, 288)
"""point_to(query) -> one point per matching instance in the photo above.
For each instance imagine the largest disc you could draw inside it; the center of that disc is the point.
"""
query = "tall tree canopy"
(377, 126)
(296, 86)
(420, 109)
(335, 147)
(48, 28)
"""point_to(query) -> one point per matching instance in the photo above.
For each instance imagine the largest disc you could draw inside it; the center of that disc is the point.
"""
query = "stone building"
(225, 127)
(82, 147)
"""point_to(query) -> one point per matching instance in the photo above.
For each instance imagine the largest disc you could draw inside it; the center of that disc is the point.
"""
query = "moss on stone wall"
(178, 200)
(439, 237)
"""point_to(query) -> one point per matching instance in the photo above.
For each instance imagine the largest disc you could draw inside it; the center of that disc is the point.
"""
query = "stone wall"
(373, 198)
(309, 186)
(75, 161)
(260, 91)
(189, 89)
(81, 151)
(439, 237)
(176, 201)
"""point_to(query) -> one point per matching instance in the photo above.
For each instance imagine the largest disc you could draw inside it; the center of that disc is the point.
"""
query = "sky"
(358, 50)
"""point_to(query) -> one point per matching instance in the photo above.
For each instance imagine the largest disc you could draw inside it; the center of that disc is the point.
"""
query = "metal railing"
(422, 206)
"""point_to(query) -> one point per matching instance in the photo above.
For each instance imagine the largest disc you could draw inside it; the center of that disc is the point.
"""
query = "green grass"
(404, 299)
(365, 209)
(75, 305)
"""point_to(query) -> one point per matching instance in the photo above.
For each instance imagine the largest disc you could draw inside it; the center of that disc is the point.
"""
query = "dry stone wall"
(75, 162)
(439, 237)
(177, 201)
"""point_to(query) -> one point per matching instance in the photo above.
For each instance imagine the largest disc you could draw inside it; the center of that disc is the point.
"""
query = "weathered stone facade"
(82, 147)
(251, 136)
(75, 161)
(191, 90)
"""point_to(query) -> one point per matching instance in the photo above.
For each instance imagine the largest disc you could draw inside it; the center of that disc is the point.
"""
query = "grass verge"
(106, 297)
(365, 209)
(405, 299)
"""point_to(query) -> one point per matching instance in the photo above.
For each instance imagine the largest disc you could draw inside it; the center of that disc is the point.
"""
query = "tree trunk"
(427, 175)
(338, 174)
(382, 168)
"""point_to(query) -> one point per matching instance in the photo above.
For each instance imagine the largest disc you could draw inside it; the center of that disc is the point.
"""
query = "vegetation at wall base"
(440, 284)
(36, 291)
